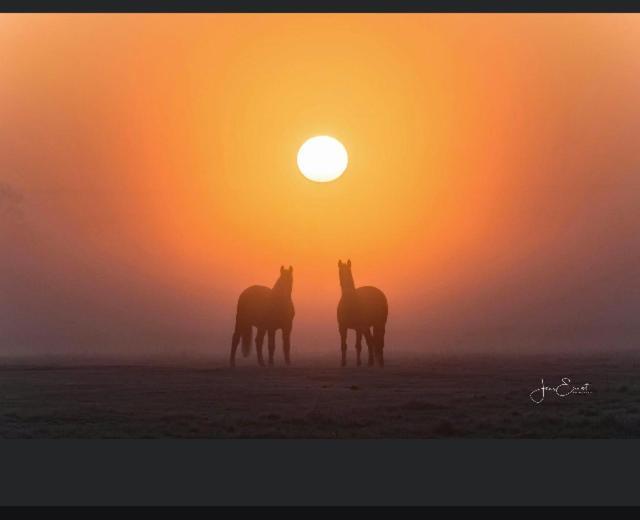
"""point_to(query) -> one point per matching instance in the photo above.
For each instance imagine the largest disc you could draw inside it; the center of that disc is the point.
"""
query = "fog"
(496, 205)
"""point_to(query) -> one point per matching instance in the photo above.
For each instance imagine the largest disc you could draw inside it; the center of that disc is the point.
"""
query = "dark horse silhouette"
(268, 310)
(361, 309)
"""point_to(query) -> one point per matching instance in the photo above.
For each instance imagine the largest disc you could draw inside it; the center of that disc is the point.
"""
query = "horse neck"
(280, 290)
(347, 284)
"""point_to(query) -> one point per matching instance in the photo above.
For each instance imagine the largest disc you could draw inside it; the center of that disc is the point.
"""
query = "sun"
(322, 158)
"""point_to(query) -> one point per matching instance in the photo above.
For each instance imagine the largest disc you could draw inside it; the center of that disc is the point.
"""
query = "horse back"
(372, 303)
(254, 303)
(260, 306)
(364, 307)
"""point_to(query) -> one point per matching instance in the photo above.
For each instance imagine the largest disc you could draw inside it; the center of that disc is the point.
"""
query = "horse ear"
(349, 262)
(281, 269)
(339, 263)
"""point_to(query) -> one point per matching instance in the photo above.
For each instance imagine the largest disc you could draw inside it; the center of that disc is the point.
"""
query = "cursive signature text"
(562, 390)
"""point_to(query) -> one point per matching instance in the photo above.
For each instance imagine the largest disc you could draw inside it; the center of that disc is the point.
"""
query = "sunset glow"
(150, 165)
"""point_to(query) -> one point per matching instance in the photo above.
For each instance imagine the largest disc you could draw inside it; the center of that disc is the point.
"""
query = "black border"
(320, 472)
(321, 6)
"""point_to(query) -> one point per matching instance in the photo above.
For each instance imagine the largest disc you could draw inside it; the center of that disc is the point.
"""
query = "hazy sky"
(148, 175)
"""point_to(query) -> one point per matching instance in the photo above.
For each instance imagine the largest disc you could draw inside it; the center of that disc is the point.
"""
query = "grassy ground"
(411, 398)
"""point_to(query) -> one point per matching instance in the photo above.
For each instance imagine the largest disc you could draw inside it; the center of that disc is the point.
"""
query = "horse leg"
(234, 347)
(358, 346)
(271, 344)
(367, 335)
(378, 336)
(286, 343)
(343, 345)
(259, 341)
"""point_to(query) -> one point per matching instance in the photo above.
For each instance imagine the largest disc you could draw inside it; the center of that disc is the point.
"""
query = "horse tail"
(246, 334)
(378, 335)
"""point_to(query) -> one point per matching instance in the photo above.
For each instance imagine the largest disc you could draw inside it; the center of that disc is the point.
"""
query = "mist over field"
(485, 182)
(148, 176)
(59, 296)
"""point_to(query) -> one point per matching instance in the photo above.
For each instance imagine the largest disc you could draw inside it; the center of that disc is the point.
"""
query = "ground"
(413, 397)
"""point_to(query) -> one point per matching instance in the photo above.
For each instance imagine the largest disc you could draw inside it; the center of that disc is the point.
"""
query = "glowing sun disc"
(322, 159)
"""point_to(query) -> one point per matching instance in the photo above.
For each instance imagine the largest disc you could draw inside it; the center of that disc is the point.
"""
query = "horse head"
(284, 284)
(346, 277)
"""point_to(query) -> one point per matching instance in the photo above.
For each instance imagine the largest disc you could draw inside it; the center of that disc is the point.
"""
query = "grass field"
(412, 397)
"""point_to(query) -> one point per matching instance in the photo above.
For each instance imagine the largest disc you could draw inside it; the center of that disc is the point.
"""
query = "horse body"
(267, 309)
(365, 310)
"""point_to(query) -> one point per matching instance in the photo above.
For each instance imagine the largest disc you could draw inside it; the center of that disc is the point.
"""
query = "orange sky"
(148, 175)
